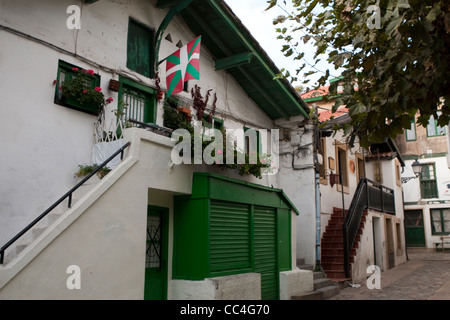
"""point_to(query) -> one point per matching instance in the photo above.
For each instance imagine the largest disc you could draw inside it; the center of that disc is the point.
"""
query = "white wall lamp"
(417, 169)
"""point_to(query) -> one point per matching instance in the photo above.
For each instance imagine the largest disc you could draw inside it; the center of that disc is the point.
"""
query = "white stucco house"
(426, 196)
(361, 205)
(150, 228)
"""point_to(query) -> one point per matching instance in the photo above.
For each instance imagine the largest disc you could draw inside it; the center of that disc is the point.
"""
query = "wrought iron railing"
(368, 195)
(58, 202)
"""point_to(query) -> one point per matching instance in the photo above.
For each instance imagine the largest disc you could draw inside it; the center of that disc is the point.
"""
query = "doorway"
(414, 228)
(156, 257)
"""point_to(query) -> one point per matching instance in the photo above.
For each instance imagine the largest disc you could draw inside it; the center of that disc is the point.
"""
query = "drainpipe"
(317, 185)
(318, 224)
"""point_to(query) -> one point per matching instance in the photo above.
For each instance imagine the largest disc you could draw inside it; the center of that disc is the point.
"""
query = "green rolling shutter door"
(266, 251)
(231, 243)
(230, 237)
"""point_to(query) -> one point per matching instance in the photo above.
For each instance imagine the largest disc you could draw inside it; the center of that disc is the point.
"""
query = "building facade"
(150, 228)
(426, 197)
(351, 177)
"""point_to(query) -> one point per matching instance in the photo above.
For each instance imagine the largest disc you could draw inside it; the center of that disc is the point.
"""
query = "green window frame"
(433, 129)
(66, 73)
(140, 48)
(247, 140)
(428, 183)
(440, 221)
(137, 102)
(411, 134)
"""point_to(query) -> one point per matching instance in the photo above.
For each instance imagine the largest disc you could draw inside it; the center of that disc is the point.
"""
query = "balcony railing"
(368, 195)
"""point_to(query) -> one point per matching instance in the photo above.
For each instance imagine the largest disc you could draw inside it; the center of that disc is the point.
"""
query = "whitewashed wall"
(43, 142)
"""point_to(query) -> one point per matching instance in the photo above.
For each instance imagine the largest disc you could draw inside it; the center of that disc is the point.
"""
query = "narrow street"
(426, 276)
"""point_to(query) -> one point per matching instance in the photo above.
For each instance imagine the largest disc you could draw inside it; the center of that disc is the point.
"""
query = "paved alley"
(426, 276)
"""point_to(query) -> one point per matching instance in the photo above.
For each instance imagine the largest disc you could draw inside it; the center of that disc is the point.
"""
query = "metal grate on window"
(134, 102)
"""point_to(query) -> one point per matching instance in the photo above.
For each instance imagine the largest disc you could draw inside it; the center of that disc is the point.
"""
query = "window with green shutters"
(140, 48)
(440, 221)
(66, 72)
(137, 102)
(428, 183)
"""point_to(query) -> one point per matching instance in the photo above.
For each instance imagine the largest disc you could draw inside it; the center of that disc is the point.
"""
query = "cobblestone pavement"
(425, 276)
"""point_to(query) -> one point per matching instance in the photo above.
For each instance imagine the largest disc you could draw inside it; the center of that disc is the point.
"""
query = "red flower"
(54, 82)
(109, 100)
(91, 72)
(75, 69)
(84, 91)
(98, 89)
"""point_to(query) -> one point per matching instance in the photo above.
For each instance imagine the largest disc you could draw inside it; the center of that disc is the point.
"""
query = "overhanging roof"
(235, 50)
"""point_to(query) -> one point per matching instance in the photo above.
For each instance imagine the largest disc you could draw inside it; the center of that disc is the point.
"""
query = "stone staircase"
(324, 288)
(332, 246)
(37, 230)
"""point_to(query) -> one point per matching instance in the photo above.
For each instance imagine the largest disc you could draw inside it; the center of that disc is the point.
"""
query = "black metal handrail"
(368, 195)
(60, 200)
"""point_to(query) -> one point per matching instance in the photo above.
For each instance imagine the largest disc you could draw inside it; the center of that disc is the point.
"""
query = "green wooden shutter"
(266, 251)
(139, 48)
(230, 236)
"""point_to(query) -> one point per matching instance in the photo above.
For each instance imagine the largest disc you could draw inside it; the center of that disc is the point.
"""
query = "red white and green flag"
(183, 65)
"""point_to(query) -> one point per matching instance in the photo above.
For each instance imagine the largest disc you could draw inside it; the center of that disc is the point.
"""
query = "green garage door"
(266, 251)
(231, 242)
(229, 236)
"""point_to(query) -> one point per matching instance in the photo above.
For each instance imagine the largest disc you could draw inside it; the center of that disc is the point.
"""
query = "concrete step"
(322, 283)
(328, 292)
(306, 267)
(313, 295)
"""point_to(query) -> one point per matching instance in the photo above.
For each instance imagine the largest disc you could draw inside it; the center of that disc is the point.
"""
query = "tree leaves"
(391, 72)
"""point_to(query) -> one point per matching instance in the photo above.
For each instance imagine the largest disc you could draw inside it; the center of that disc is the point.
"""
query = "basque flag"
(182, 66)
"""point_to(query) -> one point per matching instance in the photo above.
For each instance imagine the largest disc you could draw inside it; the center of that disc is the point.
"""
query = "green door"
(266, 262)
(414, 229)
(156, 254)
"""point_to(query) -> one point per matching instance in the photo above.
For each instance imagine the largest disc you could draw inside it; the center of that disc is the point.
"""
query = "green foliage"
(85, 169)
(393, 70)
(80, 88)
(174, 120)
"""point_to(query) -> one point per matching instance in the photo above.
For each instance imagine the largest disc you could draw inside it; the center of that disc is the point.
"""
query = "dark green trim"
(151, 210)
(258, 56)
(413, 121)
(425, 156)
(175, 7)
(214, 186)
(72, 103)
(137, 29)
(90, 1)
(150, 114)
(442, 221)
(234, 61)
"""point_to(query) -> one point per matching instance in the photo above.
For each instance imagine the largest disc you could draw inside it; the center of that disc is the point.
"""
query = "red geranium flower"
(98, 89)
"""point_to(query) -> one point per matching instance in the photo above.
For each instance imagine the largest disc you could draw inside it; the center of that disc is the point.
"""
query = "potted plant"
(81, 93)
(84, 170)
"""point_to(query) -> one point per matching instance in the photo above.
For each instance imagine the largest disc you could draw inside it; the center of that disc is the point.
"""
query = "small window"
(411, 132)
(73, 97)
(440, 221)
(398, 177)
(341, 153)
(137, 102)
(210, 122)
(252, 142)
(428, 183)
(433, 129)
(323, 166)
(140, 48)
